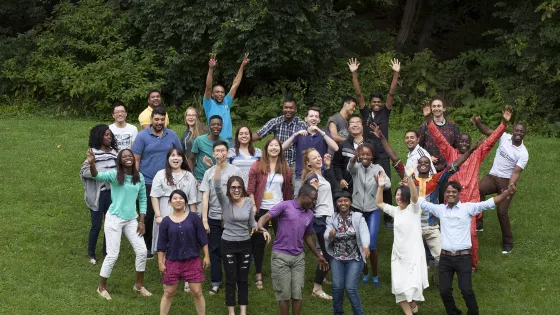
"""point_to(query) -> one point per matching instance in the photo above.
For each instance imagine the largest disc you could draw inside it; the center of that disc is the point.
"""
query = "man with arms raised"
(216, 102)
(154, 101)
(511, 159)
(124, 133)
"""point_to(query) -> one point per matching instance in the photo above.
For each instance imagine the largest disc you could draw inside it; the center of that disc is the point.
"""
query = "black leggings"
(258, 242)
(319, 227)
(236, 257)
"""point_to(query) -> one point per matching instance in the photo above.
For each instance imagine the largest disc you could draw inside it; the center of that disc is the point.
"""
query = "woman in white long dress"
(409, 273)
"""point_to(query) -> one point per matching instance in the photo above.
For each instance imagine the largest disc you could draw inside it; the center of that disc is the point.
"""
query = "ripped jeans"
(236, 257)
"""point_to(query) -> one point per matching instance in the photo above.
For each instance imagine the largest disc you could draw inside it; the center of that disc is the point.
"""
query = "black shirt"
(381, 118)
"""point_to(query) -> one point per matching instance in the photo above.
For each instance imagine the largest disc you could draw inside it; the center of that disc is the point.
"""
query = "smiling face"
(464, 143)
(355, 126)
(437, 108)
(191, 117)
(402, 197)
(451, 194)
(244, 135)
(424, 165)
(107, 138)
(314, 159)
(289, 110)
(177, 202)
(273, 149)
(158, 121)
(218, 93)
(154, 99)
(366, 156)
(349, 107)
(127, 158)
(312, 118)
(518, 133)
(376, 104)
(343, 204)
(309, 201)
(119, 114)
(215, 126)
(175, 160)
(236, 190)
(411, 140)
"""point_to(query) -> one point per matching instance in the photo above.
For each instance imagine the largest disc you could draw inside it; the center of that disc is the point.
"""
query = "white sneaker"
(92, 261)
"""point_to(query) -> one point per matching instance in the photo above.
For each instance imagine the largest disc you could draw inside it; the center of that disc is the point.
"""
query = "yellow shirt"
(145, 118)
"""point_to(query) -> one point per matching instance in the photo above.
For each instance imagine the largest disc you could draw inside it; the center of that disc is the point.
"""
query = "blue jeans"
(97, 221)
(345, 276)
(372, 219)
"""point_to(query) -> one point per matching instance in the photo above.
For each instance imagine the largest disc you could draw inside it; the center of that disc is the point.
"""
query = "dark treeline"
(77, 57)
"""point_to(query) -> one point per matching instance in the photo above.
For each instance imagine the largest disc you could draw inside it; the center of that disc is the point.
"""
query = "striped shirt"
(415, 155)
(243, 161)
(105, 161)
(283, 129)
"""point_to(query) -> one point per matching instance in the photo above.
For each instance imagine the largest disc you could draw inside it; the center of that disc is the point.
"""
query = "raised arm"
(396, 67)
(460, 160)
(91, 160)
(480, 126)
(239, 76)
(487, 145)
(353, 65)
(412, 186)
(211, 65)
(388, 149)
(381, 181)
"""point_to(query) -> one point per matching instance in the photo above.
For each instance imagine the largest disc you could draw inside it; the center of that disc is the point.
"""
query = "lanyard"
(270, 183)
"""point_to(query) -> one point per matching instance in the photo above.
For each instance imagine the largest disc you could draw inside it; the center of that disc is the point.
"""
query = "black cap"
(342, 193)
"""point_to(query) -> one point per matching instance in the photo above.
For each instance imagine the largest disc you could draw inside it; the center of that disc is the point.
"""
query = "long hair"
(120, 169)
(307, 170)
(238, 144)
(281, 164)
(184, 165)
(199, 128)
(228, 192)
(96, 135)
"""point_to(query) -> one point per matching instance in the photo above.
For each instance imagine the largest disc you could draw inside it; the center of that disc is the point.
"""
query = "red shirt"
(468, 174)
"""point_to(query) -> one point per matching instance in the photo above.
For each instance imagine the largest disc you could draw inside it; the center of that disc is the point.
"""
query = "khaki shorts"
(288, 273)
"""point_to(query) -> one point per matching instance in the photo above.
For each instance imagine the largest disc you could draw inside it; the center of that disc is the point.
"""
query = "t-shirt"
(272, 190)
(202, 146)
(184, 181)
(145, 117)
(325, 205)
(244, 161)
(341, 125)
(302, 143)
(293, 224)
(508, 156)
(153, 150)
(381, 118)
(211, 108)
(124, 196)
(207, 185)
(237, 219)
(183, 240)
(124, 136)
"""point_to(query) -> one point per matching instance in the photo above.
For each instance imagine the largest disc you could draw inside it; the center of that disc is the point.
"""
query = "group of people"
(213, 192)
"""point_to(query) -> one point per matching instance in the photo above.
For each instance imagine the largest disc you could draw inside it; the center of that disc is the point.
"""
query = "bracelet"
(141, 223)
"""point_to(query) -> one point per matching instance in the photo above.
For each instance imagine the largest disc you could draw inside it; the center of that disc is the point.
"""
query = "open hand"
(213, 61)
(343, 184)
(381, 179)
(353, 64)
(245, 60)
(207, 161)
(376, 130)
(395, 65)
(475, 119)
(90, 156)
(434, 159)
(323, 264)
(315, 183)
(327, 160)
(410, 170)
(426, 110)
(506, 114)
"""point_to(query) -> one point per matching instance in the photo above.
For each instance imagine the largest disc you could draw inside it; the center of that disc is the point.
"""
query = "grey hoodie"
(365, 186)
(104, 161)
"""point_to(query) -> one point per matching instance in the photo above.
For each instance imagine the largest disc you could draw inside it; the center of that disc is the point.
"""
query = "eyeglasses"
(120, 112)
(234, 188)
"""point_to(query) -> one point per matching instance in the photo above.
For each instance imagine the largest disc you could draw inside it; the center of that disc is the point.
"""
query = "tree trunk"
(427, 30)
(411, 10)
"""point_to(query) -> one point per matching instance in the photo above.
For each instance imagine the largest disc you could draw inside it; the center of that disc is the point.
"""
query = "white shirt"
(456, 222)
(415, 155)
(508, 156)
(273, 185)
(124, 136)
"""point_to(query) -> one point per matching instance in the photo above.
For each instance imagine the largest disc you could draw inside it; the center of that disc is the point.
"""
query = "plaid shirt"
(282, 130)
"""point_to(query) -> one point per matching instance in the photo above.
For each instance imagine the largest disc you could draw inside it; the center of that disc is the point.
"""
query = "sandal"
(104, 294)
(321, 295)
(415, 309)
(259, 283)
(142, 291)
(213, 291)
(187, 288)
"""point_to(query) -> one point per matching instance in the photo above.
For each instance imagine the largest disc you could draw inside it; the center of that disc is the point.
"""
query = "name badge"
(268, 195)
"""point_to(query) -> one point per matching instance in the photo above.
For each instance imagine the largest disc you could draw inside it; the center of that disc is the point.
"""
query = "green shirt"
(124, 197)
(202, 146)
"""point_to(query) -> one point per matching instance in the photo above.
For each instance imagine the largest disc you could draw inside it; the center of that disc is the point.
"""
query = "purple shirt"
(181, 241)
(302, 143)
(293, 224)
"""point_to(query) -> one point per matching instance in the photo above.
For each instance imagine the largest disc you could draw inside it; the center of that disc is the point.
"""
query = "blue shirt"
(456, 222)
(202, 146)
(153, 150)
(211, 108)
(302, 143)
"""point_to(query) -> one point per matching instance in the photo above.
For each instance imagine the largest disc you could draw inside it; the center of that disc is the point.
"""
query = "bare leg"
(242, 309)
(140, 280)
(296, 307)
(167, 298)
(231, 310)
(199, 302)
(406, 307)
(285, 307)
(102, 284)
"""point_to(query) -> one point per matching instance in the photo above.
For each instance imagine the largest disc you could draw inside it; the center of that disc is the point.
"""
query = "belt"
(457, 253)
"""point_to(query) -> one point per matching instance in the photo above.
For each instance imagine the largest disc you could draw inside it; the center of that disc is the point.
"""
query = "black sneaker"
(507, 249)
(150, 255)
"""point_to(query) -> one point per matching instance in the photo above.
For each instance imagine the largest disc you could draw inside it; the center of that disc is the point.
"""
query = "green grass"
(44, 228)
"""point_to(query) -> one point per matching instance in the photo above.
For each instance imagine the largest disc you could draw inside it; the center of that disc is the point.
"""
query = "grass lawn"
(45, 224)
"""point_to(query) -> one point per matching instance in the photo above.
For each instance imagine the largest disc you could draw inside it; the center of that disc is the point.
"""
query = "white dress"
(409, 273)
(161, 190)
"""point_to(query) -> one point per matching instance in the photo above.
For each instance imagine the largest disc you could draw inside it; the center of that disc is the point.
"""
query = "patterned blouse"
(345, 244)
